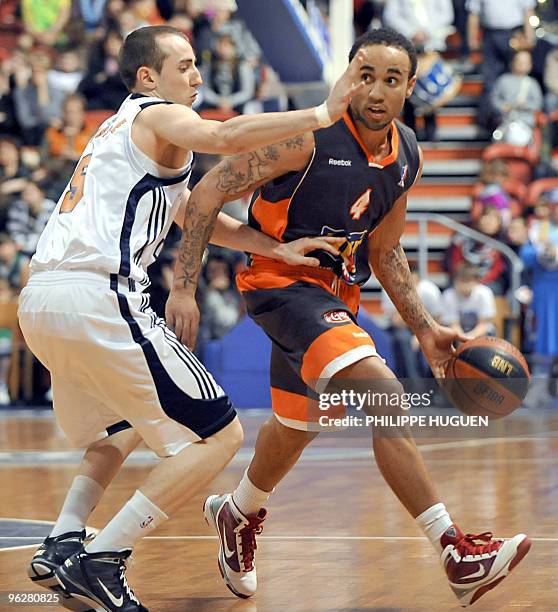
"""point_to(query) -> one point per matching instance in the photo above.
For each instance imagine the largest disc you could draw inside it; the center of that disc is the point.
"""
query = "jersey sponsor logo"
(347, 250)
(360, 206)
(340, 162)
(337, 316)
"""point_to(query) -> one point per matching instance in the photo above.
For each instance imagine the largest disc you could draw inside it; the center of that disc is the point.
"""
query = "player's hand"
(437, 346)
(183, 316)
(294, 253)
(348, 84)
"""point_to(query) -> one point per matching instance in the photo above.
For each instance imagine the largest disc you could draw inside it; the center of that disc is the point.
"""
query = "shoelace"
(124, 583)
(249, 546)
(468, 546)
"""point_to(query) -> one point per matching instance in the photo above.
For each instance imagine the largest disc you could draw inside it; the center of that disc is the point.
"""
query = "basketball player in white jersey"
(119, 374)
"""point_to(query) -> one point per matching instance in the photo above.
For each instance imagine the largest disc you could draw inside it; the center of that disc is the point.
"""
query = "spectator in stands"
(63, 80)
(111, 16)
(228, 81)
(501, 23)
(540, 257)
(222, 22)
(517, 234)
(14, 268)
(31, 94)
(70, 139)
(28, 216)
(469, 306)
(45, 20)
(426, 23)
(14, 272)
(220, 301)
(543, 227)
(13, 174)
(102, 86)
(8, 121)
(365, 12)
(492, 190)
(409, 362)
(460, 22)
(551, 81)
(489, 262)
(515, 99)
(91, 12)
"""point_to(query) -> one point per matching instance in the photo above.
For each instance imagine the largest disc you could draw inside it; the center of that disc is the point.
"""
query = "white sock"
(135, 520)
(248, 498)
(434, 522)
(81, 499)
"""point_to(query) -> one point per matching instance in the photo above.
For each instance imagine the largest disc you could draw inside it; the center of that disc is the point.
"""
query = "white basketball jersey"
(118, 206)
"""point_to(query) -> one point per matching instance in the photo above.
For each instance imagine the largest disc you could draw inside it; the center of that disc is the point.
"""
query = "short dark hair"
(142, 49)
(389, 38)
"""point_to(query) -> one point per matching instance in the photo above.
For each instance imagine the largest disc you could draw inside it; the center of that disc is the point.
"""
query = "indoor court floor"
(336, 539)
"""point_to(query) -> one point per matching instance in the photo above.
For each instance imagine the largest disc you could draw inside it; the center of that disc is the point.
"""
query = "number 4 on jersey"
(75, 189)
(360, 206)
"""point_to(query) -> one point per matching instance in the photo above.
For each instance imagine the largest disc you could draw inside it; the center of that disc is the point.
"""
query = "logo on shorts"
(337, 316)
(147, 522)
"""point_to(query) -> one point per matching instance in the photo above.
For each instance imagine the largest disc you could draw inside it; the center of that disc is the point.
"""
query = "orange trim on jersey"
(267, 273)
(272, 216)
(300, 407)
(394, 134)
(330, 345)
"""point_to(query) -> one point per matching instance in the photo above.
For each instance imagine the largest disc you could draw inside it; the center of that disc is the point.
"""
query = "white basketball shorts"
(114, 363)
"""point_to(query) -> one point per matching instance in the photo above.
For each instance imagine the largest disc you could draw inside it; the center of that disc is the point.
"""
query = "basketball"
(487, 377)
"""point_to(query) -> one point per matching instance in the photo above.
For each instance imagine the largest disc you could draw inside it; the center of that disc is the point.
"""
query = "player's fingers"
(169, 319)
(356, 88)
(319, 243)
(308, 261)
(356, 62)
(193, 336)
(178, 328)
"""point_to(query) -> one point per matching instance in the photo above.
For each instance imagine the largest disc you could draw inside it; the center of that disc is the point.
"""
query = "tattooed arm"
(389, 263)
(230, 179)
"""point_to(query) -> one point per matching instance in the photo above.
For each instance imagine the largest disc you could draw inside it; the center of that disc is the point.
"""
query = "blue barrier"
(240, 360)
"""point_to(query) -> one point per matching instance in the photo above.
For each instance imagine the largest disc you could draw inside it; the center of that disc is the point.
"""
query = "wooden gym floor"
(336, 539)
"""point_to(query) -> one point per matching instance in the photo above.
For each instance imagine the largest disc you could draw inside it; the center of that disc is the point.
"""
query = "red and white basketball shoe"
(237, 542)
(475, 564)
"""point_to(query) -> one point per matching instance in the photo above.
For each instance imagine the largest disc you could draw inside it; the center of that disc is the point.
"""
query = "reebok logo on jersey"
(340, 162)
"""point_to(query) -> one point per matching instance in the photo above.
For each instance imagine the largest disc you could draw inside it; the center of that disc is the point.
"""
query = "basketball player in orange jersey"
(118, 373)
(351, 181)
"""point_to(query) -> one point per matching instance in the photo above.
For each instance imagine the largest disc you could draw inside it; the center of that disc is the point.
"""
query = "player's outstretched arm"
(230, 179)
(390, 265)
(232, 234)
(184, 128)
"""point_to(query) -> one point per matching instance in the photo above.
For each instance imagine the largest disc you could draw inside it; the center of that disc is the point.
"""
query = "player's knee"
(372, 379)
(231, 437)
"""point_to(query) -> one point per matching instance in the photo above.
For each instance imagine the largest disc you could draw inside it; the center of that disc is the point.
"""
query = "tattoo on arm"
(271, 152)
(243, 173)
(296, 142)
(394, 275)
(197, 229)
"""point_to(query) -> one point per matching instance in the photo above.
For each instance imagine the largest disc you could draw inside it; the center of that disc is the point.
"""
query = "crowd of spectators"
(59, 79)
